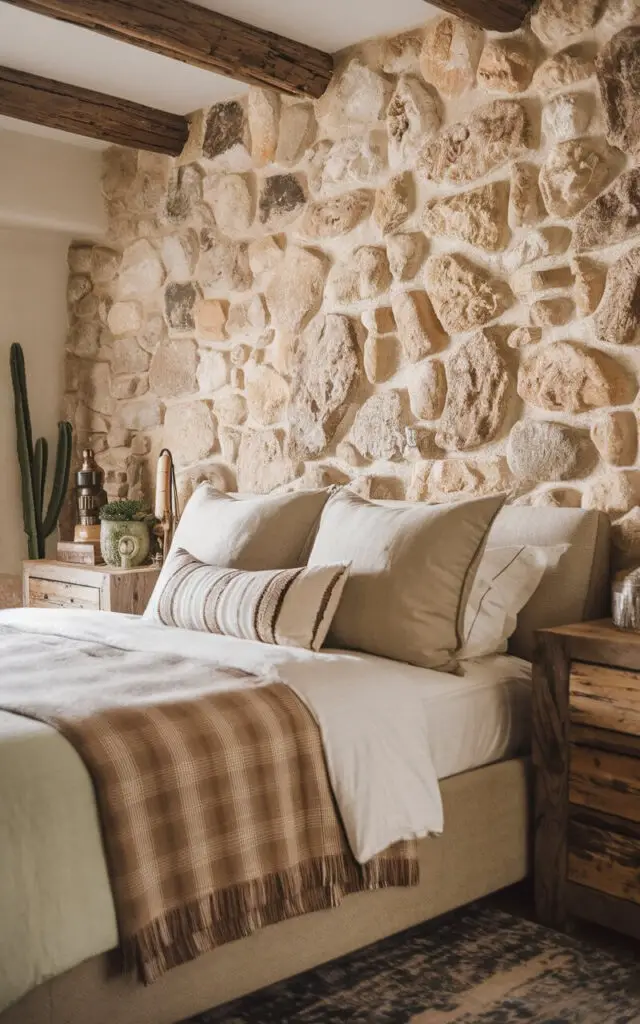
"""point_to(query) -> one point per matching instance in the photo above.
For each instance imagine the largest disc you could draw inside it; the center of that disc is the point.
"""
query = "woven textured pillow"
(288, 607)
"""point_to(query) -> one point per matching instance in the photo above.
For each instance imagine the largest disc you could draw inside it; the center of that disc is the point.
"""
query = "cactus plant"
(33, 464)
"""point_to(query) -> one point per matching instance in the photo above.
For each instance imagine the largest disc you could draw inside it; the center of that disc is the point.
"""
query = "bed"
(57, 923)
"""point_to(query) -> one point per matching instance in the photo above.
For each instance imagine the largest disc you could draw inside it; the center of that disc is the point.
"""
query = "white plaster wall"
(33, 277)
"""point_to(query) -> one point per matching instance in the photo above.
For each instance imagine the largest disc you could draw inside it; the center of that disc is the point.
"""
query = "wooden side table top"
(51, 584)
(586, 753)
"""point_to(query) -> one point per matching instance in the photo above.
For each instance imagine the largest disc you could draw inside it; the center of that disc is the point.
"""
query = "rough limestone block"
(267, 394)
(413, 117)
(139, 414)
(180, 254)
(357, 160)
(552, 312)
(231, 199)
(506, 65)
(184, 194)
(296, 134)
(567, 116)
(211, 318)
(141, 271)
(450, 53)
(295, 292)
(522, 336)
(458, 479)
(128, 357)
(264, 255)
(477, 395)
(418, 329)
(125, 318)
(281, 201)
(226, 135)
(618, 70)
(189, 431)
(173, 369)
(334, 217)
(393, 203)
(612, 492)
(364, 274)
(212, 371)
(563, 377)
(565, 68)
(478, 216)
(536, 244)
(380, 358)
(615, 435)
(490, 137)
(525, 201)
(526, 280)
(464, 296)
(618, 318)
(401, 53)
(428, 390)
(263, 113)
(590, 280)
(613, 216)
(357, 96)
(405, 253)
(230, 407)
(179, 304)
(378, 429)
(539, 451)
(573, 174)
(556, 21)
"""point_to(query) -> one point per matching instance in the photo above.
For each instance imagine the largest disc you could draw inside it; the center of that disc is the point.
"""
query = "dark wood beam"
(195, 35)
(496, 15)
(84, 112)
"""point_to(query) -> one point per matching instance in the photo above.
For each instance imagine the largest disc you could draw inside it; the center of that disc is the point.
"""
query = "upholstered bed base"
(485, 847)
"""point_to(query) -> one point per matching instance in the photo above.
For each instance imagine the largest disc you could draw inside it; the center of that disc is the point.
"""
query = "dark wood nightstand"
(586, 754)
(49, 584)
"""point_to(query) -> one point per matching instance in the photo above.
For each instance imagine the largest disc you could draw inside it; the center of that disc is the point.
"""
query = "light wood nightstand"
(586, 754)
(48, 584)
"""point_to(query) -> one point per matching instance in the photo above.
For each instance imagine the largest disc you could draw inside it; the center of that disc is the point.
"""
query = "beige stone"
(95, 384)
(525, 201)
(212, 371)
(105, 264)
(567, 116)
(80, 258)
(348, 453)
(612, 492)
(239, 355)
(226, 135)
(611, 217)
(478, 389)
(378, 429)
(337, 216)
(229, 441)
(421, 444)
(267, 394)
(573, 174)
(625, 534)
(618, 318)
(247, 318)
(179, 304)
(552, 312)
(364, 274)
(412, 118)
(139, 414)
(458, 479)
(357, 160)
(231, 200)
(478, 216)
(535, 245)
(211, 319)
(297, 132)
(180, 254)
(379, 320)
(214, 474)
(450, 53)
(401, 53)
(125, 387)
(506, 65)
(540, 451)
(173, 369)
(84, 339)
(526, 280)
(230, 407)
(317, 475)
(223, 263)
(263, 113)
(463, 295)
(393, 203)
(555, 21)
(281, 201)
(380, 358)
(405, 253)
(189, 432)
(618, 70)
(565, 68)
(295, 292)
(184, 194)
(264, 255)
(262, 464)
(325, 371)
(141, 271)
(236, 378)
(78, 286)
(125, 317)
(563, 377)
(615, 435)
(357, 96)
(418, 329)
(490, 137)
(88, 308)
(128, 357)
(522, 336)
(590, 280)
(428, 389)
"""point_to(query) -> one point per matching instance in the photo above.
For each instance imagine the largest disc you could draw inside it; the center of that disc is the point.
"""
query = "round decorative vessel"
(625, 600)
(124, 545)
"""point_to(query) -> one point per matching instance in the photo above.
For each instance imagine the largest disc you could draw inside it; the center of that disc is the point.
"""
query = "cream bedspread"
(56, 907)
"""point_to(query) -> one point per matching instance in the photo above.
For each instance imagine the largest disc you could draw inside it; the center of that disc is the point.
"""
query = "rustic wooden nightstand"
(586, 753)
(48, 584)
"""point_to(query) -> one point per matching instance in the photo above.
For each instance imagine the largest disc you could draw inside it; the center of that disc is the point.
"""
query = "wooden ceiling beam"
(84, 112)
(196, 35)
(495, 15)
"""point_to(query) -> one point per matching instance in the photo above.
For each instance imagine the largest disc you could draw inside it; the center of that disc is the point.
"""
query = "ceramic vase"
(124, 545)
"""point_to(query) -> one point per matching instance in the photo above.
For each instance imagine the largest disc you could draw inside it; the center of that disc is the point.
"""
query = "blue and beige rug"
(478, 965)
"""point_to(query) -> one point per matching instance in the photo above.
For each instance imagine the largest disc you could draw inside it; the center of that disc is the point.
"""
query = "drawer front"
(605, 698)
(54, 594)
(605, 860)
(605, 782)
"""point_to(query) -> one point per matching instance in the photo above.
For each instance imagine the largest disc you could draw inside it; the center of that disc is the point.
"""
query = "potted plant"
(125, 533)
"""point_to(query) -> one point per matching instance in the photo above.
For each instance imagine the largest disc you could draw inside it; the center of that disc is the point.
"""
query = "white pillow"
(506, 579)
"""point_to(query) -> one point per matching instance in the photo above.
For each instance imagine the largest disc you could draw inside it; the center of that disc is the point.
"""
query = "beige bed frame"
(485, 847)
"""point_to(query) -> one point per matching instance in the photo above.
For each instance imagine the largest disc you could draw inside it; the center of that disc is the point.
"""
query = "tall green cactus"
(33, 461)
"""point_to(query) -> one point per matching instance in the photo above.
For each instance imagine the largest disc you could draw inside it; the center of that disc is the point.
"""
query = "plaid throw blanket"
(217, 813)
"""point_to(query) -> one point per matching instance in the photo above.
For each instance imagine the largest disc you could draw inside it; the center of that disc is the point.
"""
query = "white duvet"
(55, 901)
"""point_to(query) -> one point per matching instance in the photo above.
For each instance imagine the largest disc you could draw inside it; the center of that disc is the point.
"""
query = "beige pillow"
(289, 607)
(267, 532)
(411, 570)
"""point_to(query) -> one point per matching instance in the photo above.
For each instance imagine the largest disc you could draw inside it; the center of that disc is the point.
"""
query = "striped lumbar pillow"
(289, 607)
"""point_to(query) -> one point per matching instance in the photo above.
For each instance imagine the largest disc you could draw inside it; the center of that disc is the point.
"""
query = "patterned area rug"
(478, 965)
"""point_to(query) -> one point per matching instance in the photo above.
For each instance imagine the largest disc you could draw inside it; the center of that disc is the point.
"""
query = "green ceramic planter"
(124, 545)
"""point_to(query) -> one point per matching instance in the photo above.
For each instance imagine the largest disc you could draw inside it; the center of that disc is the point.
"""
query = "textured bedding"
(56, 907)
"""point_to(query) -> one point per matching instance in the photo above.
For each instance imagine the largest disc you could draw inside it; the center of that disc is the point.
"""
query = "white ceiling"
(43, 46)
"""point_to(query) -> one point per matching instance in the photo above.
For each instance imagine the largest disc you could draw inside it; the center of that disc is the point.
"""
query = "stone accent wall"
(426, 284)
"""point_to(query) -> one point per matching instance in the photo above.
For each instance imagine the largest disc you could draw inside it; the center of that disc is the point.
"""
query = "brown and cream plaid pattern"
(217, 813)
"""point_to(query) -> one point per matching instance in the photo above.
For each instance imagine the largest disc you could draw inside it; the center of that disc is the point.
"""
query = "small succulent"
(127, 512)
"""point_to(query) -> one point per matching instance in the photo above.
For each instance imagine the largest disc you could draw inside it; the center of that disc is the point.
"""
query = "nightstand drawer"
(603, 859)
(604, 698)
(605, 782)
(56, 594)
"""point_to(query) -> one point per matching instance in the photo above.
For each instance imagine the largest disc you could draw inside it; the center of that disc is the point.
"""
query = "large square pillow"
(411, 570)
(266, 532)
